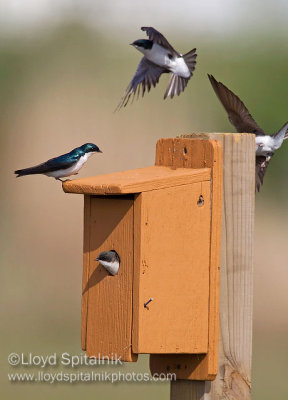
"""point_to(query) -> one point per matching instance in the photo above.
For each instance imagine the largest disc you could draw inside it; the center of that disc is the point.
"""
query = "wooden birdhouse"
(164, 222)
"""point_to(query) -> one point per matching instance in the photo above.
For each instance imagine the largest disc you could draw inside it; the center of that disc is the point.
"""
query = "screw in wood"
(147, 302)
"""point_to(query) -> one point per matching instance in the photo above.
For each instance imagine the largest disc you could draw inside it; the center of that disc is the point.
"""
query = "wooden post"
(233, 381)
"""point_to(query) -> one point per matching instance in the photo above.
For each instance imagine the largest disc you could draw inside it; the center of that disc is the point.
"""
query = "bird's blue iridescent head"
(143, 43)
(90, 147)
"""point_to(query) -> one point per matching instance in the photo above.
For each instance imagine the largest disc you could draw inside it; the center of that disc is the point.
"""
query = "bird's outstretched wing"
(147, 75)
(262, 163)
(281, 135)
(62, 162)
(238, 114)
(158, 38)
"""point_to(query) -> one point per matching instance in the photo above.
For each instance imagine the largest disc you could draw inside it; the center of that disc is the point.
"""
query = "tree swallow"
(110, 261)
(159, 57)
(65, 165)
(239, 116)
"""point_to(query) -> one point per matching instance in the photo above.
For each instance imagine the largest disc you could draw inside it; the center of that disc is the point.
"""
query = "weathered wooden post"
(233, 381)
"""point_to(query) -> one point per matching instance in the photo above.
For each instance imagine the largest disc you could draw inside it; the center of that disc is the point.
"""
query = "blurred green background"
(63, 68)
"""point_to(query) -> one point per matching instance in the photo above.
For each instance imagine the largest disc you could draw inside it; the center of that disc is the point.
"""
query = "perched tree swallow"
(110, 261)
(159, 57)
(242, 120)
(65, 165)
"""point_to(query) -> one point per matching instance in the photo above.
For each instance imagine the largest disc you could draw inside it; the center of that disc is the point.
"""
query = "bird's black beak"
(99, 151)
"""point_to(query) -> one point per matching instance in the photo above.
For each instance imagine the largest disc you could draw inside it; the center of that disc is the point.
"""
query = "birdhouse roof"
(137, 180)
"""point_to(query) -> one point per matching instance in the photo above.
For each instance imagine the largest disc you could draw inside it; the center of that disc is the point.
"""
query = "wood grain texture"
(233, 381)
(86, 263)
(107, 300)
(173, 269)
(197, 154)
(185, 390)
(137, 180)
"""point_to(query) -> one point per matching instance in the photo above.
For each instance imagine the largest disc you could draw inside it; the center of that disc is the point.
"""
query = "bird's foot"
(63, 180)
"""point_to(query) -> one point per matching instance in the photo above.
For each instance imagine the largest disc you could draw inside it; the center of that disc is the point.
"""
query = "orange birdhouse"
(164, 222)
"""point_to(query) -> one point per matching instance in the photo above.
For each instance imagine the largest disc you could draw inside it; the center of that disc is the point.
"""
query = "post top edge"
(206, 134)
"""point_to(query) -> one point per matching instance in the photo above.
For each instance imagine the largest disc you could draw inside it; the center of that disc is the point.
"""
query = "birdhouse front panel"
(171, 266)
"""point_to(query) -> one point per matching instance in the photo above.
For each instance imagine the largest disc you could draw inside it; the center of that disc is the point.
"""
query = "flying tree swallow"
(241, 119)
(110, 260)
(65, 165)
(159, 57)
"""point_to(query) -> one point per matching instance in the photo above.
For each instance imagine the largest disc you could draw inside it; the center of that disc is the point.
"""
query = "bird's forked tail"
(190, 60)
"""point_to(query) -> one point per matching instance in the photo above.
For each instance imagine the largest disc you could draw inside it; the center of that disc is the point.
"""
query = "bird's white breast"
(111, 267)
(264, 144)
(180, 68)
(159, 55)
(62, 173)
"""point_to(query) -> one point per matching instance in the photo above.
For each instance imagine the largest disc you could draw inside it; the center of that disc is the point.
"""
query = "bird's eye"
(170, 56)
